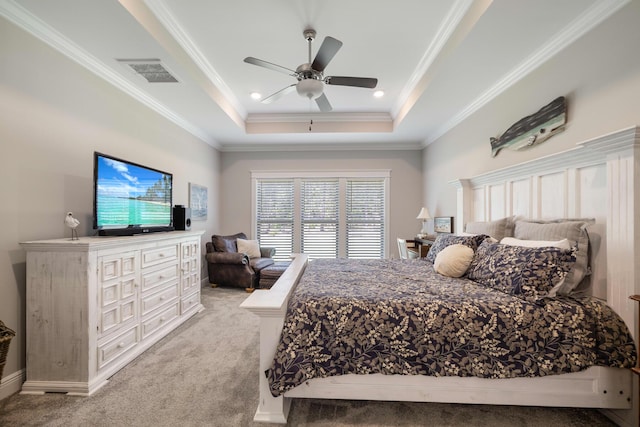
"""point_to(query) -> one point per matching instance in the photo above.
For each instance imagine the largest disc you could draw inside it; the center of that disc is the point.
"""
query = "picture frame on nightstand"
(443, 224)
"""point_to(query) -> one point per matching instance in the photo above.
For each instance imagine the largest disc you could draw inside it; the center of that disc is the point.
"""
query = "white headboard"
(600, 179)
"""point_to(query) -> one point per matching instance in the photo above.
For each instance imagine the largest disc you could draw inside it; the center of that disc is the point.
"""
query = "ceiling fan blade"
(279, 94)
(323, 103)
(367, 82)
(327, 51)
(269, 65)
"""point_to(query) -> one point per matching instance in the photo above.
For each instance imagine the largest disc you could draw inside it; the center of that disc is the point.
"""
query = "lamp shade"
(424, 214)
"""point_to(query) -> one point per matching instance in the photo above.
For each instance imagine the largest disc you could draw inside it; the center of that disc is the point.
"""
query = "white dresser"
(96, 303)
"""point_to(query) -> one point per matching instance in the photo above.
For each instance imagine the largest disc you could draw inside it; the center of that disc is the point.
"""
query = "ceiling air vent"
(151, 69)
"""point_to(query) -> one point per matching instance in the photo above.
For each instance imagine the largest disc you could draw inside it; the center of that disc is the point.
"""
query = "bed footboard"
(271, 306)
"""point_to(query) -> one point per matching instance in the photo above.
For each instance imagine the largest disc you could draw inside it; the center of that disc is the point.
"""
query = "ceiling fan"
(311, 78)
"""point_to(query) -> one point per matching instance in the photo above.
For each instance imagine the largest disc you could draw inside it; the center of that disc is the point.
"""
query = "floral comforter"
(401, 317)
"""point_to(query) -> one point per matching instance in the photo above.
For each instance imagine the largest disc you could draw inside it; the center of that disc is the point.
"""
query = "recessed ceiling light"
(256, 95)
(378, 93)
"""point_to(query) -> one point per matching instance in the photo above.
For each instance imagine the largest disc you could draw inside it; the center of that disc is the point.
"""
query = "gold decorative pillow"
(249, 247)
(454, 260)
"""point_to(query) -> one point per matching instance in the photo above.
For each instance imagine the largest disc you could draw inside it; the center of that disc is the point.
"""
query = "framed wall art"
(198, 201)
(443, 224)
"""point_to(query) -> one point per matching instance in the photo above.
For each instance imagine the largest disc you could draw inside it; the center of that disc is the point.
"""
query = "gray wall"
(405, 184)
(600, 76)
(54, 115)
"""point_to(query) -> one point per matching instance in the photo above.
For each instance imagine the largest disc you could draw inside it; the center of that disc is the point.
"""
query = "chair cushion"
(227, 243)
(259, 263)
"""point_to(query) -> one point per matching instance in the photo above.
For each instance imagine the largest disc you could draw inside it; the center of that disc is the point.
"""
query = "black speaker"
(181, 218)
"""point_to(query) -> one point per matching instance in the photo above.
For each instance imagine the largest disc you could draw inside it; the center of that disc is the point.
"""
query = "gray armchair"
(228, 267)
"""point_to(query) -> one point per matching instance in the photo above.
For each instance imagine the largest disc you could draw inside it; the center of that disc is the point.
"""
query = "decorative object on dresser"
(443, 224)
(72, 223)
(94, 304)
(423, 215)
(181, 218)
(235, 261)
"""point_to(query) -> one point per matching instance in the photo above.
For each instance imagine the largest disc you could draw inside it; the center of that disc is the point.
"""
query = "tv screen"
(130, 198)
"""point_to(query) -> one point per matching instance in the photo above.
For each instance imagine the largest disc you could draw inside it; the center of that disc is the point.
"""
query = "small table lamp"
(424, 215)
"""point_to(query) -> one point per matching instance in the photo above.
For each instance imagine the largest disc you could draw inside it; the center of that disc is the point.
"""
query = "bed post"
(622, 151)
(271, 306)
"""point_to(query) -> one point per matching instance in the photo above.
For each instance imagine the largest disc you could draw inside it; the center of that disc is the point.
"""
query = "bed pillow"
(454, 260)
(497, 229)
(528, 273)
(444, 240)
(249, 247)
(562, 244)
(575, 231)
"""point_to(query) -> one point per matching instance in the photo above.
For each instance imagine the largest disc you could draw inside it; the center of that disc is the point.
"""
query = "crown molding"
(319, 117)
(593, 16)
(442, 35)
(350, 146)
(41, 30)
(163, 13)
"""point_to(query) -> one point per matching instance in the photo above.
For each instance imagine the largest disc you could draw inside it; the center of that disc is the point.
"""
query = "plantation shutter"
(319, 200)
(274, 216)
(365, 211)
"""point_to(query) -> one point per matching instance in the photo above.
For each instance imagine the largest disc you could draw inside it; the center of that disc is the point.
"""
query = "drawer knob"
(162, 319)
(121, 345)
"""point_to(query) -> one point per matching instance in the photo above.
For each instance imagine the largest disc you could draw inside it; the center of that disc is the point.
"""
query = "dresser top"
(84, 244)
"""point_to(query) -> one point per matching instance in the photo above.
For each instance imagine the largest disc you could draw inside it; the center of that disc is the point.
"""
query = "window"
(274, 219)
(319, 218)
(323, 214)
(365, 208)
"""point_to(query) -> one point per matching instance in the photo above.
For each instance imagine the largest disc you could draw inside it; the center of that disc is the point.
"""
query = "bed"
(598, 179)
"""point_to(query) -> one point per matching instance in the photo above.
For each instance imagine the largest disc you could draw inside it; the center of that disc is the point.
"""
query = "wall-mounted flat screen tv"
(130, 198)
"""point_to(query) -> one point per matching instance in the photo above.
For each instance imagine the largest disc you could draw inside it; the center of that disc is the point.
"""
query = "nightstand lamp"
(424, 215)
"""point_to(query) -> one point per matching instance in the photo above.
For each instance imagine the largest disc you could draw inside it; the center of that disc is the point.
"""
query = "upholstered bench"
(270, 274)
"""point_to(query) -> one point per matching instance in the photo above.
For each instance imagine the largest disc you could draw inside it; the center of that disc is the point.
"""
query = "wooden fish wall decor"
(533, 129)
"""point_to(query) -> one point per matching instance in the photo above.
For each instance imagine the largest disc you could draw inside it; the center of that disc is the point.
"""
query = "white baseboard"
(12, 383)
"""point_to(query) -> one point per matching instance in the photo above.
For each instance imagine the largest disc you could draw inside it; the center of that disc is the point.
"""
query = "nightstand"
(423, 244)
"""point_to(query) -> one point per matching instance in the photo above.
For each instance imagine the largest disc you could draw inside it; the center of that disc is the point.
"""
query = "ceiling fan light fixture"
(310, 88)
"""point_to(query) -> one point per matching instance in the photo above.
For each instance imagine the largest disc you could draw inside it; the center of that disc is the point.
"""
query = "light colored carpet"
(205, 374)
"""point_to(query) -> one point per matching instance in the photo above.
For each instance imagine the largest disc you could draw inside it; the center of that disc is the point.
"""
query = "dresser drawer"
(155, 256)
(190, 303)
(149, 326)
(110, 350)
(119, 265)
(117, 314)
(190, 282)
(153, 301)
(155, 278)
